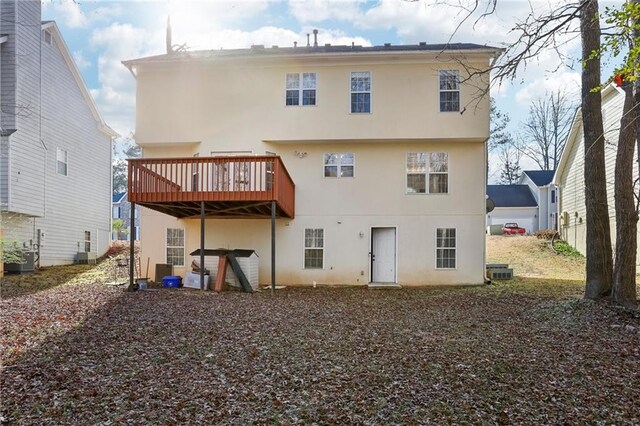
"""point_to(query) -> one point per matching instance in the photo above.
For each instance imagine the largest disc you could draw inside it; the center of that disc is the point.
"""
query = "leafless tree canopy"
(545, 131)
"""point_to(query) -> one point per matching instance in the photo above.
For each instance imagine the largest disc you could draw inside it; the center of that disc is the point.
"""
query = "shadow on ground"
(347, 356)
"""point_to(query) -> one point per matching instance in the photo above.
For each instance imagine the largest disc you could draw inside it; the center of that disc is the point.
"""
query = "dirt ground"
(524, 351)
(532, 258)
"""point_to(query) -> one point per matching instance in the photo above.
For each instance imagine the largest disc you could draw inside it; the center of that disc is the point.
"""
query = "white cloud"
(116, 96)
(562, 80)
(80, 60)
(322, 10)
(72, 15)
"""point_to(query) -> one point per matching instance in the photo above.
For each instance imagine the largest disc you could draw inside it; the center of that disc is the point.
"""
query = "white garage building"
(513, 203)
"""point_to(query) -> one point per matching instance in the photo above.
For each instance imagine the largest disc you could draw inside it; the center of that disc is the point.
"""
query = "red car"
(513, 229)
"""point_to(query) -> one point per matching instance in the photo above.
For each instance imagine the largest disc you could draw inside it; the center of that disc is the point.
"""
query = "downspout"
(487, 280)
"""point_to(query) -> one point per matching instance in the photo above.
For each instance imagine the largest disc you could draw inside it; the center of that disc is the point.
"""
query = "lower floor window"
(445, 248)
(313, 248)
(175, 246)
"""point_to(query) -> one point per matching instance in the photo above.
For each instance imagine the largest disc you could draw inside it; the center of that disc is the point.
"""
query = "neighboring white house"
(55, 149)
(373, 158)
(121, 209)
(545, 193)
(513, 203)
(570, 174)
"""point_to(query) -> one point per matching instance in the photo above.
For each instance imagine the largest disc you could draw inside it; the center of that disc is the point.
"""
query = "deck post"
(132, 250)
(202, 215)
(273, 245)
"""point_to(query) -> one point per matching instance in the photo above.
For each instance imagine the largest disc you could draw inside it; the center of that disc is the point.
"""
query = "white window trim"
(85, 241)
(449, 91)
(427, 173)
(304, 249)
(66, 163)
(370, 92)
(47, 34)
(166, 246)
(300, 89)
(339, 165)
(435, 263)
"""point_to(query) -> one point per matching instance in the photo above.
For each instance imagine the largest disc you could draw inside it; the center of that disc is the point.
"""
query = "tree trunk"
(624, 276)
(599, 269)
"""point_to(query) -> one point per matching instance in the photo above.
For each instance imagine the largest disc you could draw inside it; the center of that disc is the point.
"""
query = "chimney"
(315, 38)
(295, 44)
(169, 43)
(308, 45)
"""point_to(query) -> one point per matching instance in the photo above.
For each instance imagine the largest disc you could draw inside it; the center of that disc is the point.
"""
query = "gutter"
(486, 279)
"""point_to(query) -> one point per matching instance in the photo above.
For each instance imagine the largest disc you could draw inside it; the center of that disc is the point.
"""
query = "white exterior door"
(383, 255)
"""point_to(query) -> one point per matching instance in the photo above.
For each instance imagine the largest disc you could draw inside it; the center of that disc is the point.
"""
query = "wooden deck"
(230, 187)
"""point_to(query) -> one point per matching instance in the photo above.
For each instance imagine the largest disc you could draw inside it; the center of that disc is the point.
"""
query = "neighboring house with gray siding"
(121, 209)
(55, 151)
(546, 194)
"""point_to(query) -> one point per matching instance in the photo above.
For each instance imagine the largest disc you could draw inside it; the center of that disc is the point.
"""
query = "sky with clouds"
(100, 34)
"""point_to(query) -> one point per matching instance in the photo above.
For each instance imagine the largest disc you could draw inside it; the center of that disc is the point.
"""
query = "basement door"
(383, 255)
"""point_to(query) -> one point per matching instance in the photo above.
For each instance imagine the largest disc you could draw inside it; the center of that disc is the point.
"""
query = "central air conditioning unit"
(86, 258)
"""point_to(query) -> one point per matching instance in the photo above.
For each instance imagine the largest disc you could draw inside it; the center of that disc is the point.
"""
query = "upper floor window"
(116, 212)
(339, 165)
(47, 36)
(553, 195)
(361, 92)
(301, 89)
(449, 90)
(61, 161)
(427, 173)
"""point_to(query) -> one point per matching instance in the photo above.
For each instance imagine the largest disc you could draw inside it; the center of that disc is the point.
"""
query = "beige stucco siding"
(219, 105)
(347, 209)
(244, 102)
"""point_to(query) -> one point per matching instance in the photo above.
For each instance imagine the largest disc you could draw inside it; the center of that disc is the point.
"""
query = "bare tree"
(545, 131)
(541, 32)
(509, 157)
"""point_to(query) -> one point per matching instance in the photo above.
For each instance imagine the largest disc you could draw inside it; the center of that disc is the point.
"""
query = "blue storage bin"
(172, 282)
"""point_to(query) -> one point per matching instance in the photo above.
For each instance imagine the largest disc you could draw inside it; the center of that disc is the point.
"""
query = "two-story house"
(55, 149)
(121, 209)
(371, 160)
(546, 194)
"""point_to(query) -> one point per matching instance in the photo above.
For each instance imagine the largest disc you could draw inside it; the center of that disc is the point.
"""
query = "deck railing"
(188, 179)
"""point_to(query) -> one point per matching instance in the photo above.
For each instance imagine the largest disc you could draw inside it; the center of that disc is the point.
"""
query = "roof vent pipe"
(295, 44)
(315, 38)
(308, 35)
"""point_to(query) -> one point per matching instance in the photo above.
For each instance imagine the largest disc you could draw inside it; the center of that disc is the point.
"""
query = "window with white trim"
(361, 92)
(175, 246)
(313, 248)
(449, 90)
(62, 161)
(339, 164)
(87, 241)
(427, 173)
(47, 36)
(116, 212)
(301, 88)
(446, 248)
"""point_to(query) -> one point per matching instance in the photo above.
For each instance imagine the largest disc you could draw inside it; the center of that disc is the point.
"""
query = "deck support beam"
(202, 219)
(273, 245)
(132, 250)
